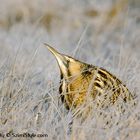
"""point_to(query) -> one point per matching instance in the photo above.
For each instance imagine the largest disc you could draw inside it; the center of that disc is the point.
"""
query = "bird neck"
(73, 70)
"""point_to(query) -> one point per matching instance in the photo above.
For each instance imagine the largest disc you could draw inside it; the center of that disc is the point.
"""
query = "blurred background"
(105, 33)
(99, 32)
(90, 30)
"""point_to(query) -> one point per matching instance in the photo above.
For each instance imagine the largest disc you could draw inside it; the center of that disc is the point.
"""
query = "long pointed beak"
(60, 57)
(52, 50)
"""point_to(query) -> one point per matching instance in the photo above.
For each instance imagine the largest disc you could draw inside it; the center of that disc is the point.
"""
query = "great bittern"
(84, 83)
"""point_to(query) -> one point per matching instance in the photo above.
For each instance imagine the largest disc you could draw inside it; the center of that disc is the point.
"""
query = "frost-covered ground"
(104, 33)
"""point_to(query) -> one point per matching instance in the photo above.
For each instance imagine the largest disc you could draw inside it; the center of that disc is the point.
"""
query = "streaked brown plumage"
(81, 82)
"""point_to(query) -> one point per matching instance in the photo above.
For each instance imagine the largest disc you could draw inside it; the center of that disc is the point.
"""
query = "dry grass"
(97, 32)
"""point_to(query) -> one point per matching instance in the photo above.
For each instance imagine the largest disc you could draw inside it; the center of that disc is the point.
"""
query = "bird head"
(68, 66)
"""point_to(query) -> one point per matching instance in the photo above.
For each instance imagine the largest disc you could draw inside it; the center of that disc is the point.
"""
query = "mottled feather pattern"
(90, 87)
(104, 84)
